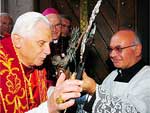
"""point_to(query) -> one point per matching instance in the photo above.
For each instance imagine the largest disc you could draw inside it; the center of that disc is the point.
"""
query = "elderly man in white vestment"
(126, 89)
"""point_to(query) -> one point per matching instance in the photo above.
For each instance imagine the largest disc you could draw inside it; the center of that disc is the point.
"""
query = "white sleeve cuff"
(42, 108)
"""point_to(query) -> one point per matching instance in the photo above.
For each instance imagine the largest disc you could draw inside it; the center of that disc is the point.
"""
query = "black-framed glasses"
(119, 49)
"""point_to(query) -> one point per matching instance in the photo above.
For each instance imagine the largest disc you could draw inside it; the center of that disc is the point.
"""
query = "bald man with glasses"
(126, 89)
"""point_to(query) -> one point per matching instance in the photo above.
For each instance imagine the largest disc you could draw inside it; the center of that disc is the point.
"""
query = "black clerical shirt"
(125, 75)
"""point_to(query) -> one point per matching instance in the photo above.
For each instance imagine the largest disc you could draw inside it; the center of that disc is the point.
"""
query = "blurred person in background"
(58, 48)
(6, 24)
(65, 30)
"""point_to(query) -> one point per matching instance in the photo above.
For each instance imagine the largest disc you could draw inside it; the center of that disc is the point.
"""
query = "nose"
(54, 28)
(112, 53)
(47, 49)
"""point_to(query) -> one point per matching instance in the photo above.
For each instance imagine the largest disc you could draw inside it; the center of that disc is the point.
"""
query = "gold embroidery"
(29, 87)
(3, 100)
(42, 86)
(6, 62)
(16, 101)
(27, 82)
(13, 83)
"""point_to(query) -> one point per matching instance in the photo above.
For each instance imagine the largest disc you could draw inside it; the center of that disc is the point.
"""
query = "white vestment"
(120, 97)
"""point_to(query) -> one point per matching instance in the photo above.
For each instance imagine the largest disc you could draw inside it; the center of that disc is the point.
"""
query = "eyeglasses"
(118, 49)
(64, 25)
(56, 26)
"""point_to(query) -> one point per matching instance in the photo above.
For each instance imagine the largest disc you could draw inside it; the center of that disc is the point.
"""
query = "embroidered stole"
(14, 90)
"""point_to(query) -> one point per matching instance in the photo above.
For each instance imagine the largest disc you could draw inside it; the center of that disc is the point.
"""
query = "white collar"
(55, 41)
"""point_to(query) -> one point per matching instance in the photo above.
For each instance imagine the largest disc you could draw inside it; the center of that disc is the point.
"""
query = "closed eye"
(41, 43)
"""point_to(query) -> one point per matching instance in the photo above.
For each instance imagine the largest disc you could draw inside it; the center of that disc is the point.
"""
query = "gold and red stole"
(15, 92)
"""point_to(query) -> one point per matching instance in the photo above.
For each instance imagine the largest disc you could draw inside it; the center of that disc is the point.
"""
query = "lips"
(115, 61)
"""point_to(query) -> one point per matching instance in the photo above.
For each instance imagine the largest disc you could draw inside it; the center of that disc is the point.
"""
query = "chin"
(39, 63)
(117, 65)
(55, 37)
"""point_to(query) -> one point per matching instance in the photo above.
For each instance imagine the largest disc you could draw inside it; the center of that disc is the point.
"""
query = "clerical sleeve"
(42, 108)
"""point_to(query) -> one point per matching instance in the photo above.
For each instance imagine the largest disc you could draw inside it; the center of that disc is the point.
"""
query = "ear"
(138, 50)
(17, 41)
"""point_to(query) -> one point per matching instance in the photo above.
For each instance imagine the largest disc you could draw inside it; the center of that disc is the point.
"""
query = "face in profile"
(6, 24)
(34, 48)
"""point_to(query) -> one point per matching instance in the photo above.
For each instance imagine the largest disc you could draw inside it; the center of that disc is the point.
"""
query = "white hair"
(4, 14)
(26, 23)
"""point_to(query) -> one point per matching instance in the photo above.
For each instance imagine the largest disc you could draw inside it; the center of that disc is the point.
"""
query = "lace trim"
(105, 103)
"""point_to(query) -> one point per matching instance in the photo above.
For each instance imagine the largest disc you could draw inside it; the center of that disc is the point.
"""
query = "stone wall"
(16, 7)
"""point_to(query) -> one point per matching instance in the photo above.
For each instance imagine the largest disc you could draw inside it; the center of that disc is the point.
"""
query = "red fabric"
(39, 86)
(12, 84)
(13, 96)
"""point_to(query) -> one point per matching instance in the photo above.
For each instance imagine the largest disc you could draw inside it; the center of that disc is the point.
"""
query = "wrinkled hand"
(89, 85)
(68, 90)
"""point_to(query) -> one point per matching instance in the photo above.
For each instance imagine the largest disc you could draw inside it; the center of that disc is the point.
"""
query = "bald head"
(126, 35)
(54, 18)
(125, 49)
